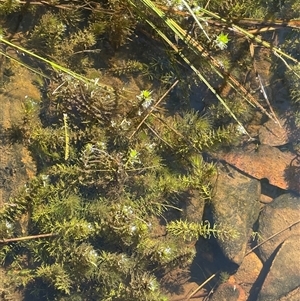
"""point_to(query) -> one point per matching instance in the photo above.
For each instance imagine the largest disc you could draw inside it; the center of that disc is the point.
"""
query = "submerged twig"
(272, 236)
(7, 240)
(195, 18)
(286, 64)
(198, 49)
(200, 286)
(234, 27)
(154, 132)
(153, 107)
(263, 91)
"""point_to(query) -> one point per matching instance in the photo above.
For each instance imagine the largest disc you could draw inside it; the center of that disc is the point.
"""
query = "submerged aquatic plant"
(117, 156)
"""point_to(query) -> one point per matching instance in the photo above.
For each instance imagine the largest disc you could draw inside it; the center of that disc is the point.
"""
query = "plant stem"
(4, 240)
(250, 35)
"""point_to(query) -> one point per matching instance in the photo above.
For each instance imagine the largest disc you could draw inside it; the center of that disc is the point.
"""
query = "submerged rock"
(249, 270)
(276, 216)
(236, 206)
(292, 296)
(284, 276)
(273, 134)
(281, 169)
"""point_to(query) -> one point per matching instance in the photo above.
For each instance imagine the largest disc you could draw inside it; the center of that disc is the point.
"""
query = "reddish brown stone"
(249, 270)
(282, 169)
(274, 134)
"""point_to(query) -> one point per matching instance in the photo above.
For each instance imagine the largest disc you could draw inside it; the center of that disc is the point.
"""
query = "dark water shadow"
(210, 259)
(257, 285)
(292, 175)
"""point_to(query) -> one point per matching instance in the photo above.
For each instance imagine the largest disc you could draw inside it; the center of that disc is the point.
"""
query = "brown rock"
(292, 296)
(194, 207)
(284, 276)
(282, 169)
(273, 134)
(235, 206)
(249, 269)
(277, 216)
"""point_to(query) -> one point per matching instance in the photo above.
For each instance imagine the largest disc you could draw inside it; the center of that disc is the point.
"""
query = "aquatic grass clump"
(84, 101)
(293, 79)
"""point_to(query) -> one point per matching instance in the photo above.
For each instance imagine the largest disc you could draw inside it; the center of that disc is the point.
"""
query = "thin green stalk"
(177, 30)
(52, 64)
(214, 64)
(24, 65)
(67, 137)
(250, 35)
(195, 18)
